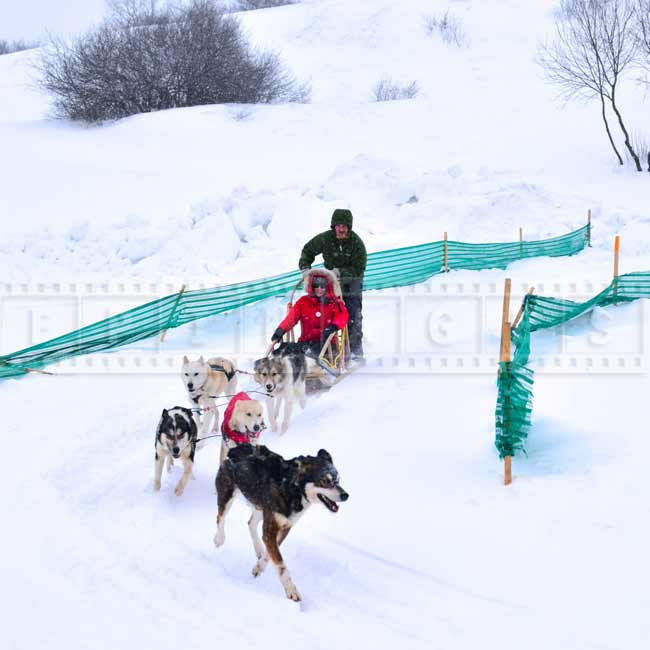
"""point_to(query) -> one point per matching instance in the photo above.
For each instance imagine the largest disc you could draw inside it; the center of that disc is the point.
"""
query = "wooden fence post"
(617, 249)
(520, 313)
(164, 333)
(504, 357)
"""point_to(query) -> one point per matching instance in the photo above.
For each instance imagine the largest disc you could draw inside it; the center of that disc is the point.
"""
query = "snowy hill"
(431, 550)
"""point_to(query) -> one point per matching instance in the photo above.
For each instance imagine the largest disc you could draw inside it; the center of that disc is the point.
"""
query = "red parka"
(315, 315)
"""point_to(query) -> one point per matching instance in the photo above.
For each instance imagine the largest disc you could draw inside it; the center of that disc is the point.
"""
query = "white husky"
(204, 382)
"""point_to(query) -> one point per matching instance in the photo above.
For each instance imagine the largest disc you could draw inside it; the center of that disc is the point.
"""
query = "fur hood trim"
(334, 286)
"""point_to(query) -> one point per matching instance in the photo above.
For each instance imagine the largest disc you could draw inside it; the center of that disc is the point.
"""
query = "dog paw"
(259, 567)
(285, 427)
(219, 539)
(179, 490)
(156, 486)
(292, 593)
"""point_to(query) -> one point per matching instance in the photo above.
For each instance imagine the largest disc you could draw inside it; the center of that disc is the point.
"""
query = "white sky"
(32, 19)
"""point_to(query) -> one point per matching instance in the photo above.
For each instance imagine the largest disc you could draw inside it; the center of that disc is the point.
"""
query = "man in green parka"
(342, 251)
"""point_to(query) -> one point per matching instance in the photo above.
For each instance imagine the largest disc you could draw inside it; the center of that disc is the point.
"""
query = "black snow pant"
(353, 298)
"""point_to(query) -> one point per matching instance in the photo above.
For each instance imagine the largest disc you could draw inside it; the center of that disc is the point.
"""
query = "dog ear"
(324, 454)
(257, 365)
(164, 413)
(185, 359)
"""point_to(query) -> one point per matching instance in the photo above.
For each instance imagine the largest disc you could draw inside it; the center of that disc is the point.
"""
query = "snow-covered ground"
(431, 551)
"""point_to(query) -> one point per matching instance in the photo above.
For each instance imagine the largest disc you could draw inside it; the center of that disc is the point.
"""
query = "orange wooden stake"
(507, 479)
(617, 249)
(504, 357)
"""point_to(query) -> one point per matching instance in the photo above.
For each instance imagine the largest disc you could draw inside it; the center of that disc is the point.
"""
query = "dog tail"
(228, 368)
(231, 388)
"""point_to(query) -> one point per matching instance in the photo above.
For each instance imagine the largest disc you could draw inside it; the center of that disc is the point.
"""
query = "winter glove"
(277, 335)
(330, 329)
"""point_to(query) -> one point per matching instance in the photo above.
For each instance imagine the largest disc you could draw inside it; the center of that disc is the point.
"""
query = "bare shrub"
(388, 90)
(448, 26)
(136, 13)
(249, 5)
(181, 55)
(8, 47)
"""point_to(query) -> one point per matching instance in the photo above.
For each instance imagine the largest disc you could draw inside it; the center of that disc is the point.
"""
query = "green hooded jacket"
(347, 255)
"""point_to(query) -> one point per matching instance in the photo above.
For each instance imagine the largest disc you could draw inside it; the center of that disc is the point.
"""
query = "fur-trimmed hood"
(333, 284)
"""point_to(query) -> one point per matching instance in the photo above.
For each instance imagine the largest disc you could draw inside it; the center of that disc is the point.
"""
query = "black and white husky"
(282, 375)
(279, 492)
(176, 437)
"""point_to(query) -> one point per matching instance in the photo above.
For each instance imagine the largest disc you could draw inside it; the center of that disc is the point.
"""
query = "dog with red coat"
(243, 422)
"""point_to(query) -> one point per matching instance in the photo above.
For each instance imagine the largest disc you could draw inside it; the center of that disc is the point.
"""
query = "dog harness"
(226, 431)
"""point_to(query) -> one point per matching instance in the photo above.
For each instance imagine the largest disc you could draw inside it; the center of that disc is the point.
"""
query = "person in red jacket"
(320, 313)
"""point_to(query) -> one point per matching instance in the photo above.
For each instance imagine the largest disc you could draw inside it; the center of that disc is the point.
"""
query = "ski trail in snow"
(424, 575)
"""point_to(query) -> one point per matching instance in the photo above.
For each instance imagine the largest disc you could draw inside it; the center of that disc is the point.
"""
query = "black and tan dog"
(279, 492)
(176, 438)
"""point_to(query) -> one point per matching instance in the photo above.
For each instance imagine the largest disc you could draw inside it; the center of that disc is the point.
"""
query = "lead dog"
(279, 492)
(204, 382)
(175, 438)
(282, 375)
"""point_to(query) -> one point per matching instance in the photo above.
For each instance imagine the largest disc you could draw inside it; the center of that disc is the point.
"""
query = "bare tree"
(181, 55)
(642, 10)
(593, 45)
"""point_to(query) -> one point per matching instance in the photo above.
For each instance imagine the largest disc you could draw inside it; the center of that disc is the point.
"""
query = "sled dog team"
(278, 490)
